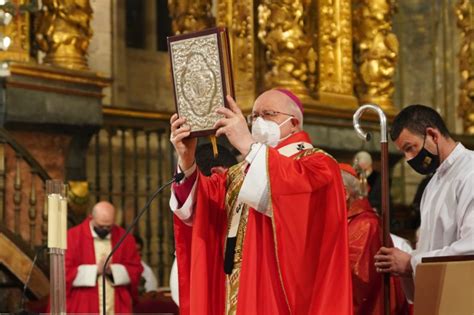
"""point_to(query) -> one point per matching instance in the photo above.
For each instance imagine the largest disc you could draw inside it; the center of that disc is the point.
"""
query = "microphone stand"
(23, 294)
(176, 178)
(386, 241)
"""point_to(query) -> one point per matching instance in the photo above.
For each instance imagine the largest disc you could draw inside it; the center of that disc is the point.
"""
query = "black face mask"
(425, 162)
(101, 232)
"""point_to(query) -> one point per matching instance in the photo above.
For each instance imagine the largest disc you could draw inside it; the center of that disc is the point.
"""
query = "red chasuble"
(295, 262)
(80, 251)
(364, 242)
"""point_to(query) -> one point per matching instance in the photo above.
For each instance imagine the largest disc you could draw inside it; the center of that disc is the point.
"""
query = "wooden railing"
(128, 159)
(15, 160)
(23, 228)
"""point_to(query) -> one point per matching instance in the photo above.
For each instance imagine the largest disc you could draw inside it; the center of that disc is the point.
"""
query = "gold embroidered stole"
(235, 179)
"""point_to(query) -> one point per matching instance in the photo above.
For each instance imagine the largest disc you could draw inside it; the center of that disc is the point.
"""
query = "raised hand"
(185, 147)
(234, 126)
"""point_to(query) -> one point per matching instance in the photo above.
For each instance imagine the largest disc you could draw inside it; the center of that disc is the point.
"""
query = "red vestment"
(364, 242)
(295, 262)
(80, 244)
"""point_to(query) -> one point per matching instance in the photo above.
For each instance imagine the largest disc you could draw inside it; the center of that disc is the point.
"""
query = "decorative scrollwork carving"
(190, 15)
(465, 21)
(238, 17)
(376, 51)
(335, 47)
(290, 57)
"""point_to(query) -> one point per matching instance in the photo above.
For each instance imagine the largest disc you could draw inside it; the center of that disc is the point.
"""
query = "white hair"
(363, 157)
(295, 111)
(352, 185)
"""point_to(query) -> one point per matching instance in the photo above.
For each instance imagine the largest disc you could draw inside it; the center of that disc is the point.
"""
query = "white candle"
(63, 226)
(53, 220)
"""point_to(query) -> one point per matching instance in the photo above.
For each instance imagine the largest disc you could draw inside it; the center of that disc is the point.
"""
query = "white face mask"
(267, 132)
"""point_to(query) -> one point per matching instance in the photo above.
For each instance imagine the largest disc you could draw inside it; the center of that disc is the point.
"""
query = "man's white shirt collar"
(458, 150)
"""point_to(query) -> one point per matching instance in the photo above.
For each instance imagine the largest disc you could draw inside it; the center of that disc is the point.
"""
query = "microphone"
(176, 178)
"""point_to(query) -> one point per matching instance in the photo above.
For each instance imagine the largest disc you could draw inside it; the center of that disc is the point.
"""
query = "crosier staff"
(385, 187)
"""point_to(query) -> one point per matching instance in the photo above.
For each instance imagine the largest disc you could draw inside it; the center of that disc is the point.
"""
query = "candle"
(53, 220)
(63, 225)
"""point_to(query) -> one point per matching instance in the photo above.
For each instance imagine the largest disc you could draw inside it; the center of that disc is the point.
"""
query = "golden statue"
(78, 197)
(190, 15)
(465, 21)
(376, 51)
(63, 32)
(288, 50)
(378, 68)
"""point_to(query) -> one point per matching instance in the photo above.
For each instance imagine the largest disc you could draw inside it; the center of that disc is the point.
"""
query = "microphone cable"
(176, 178)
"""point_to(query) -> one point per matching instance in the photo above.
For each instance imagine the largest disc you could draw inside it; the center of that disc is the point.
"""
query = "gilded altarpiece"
(303, 45)
(465, 21)
(18, 31)
(289, 54)
(63, 32)
(238, 17)
(335, 83)
(306, 46)
(376, 52)
(190, 15)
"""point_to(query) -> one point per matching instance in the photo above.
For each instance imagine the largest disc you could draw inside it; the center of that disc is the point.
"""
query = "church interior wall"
(129, 69)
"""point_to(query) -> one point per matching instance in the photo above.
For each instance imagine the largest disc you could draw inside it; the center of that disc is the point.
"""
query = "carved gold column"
(335, 84)
(18, 31)
(376, 52)
(465, 19)
(190, 15)
(63, 32)
(289, 54)
(238, 17)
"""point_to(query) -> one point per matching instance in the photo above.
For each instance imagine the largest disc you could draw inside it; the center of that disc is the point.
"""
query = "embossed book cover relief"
(202, 76)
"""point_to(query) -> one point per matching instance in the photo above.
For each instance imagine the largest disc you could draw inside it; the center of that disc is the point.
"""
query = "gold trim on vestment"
(235, 179)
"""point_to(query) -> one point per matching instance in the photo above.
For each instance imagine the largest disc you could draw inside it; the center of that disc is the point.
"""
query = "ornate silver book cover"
(197, 67)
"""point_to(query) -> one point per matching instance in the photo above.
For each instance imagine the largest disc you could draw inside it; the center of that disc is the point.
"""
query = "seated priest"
(269, 235)
(364, 241)
(148, 281)
(364, 164)
(89, 243)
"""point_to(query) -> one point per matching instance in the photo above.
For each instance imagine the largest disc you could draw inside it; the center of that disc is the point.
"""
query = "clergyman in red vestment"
(269, 236)
(364, 242)
(88, 244)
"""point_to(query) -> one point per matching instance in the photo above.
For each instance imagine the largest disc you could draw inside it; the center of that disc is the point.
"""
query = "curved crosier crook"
(383, 122)
(386, 239)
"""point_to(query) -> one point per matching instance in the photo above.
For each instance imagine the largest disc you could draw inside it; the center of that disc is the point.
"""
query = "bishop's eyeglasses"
(265, 114)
